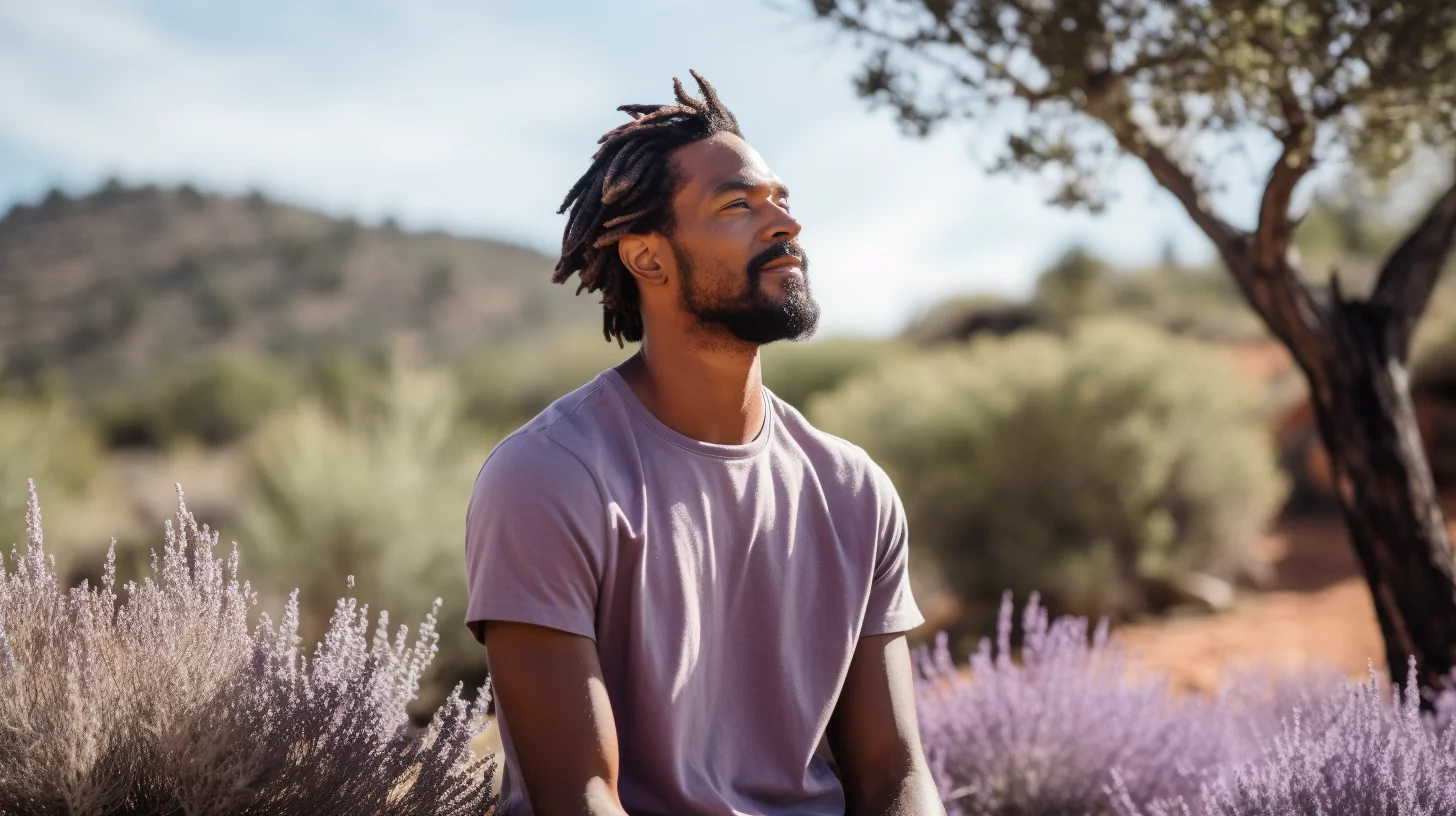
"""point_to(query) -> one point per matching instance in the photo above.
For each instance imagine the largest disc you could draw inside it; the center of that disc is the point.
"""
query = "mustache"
(785, 249)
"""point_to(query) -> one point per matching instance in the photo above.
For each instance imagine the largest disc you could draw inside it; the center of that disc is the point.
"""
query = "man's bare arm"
(549, 686)
(874, 735)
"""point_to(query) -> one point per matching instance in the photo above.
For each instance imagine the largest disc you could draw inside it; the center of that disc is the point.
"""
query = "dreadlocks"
(629, 189)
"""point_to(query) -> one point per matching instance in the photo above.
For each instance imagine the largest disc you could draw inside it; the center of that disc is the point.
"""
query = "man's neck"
(712, 395)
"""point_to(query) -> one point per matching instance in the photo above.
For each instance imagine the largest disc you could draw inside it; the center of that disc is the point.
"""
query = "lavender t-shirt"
(726, 587)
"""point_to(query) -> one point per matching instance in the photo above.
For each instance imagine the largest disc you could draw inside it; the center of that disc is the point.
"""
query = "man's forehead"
(721, 159)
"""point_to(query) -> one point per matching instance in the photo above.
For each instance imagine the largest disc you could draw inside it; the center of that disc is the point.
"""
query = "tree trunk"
(1353, 356)
(1354, 363)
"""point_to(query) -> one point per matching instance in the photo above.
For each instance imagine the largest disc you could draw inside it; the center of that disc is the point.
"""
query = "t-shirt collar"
(640, 411)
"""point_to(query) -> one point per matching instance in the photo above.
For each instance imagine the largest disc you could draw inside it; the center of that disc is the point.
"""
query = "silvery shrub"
(168, 702)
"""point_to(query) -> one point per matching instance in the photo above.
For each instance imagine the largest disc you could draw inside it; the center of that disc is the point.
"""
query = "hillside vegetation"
(121, 283)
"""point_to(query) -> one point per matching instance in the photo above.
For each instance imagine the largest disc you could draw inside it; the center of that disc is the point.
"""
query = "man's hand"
(548, 685)
(874, 736)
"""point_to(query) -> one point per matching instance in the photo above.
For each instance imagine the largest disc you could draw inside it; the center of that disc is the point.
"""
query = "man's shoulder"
(557, 443)
(579, 409)
(830, 455)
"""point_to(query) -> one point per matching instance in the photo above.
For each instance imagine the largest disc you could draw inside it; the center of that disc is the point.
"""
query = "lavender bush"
(1069, 729)
(167, 703)
(1360, 756)
(1042, 736)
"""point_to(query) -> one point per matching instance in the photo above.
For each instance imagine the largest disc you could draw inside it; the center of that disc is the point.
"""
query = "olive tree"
(1077, 85)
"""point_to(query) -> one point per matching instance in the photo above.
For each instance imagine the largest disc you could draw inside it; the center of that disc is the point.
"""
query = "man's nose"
(783, 227)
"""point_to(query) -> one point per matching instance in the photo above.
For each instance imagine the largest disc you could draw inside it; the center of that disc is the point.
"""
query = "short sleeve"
(892, 605)
(535, 537)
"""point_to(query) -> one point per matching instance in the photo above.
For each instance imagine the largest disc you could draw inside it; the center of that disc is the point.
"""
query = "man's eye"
(739, 203)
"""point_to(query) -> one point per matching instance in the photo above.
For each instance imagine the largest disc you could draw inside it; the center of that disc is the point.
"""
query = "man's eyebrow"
(743, 185)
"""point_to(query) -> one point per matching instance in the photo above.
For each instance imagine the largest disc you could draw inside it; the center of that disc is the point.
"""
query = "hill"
(116, 283)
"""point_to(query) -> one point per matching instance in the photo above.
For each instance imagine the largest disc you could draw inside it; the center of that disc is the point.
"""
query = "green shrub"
(505, 387)
(958, 318)
(218, 310)
(340, 379)
(380, 496)
(1204, 303)
(1100, 469)
(1078, 284)
(217, 401)
(798, 371)
(42, 442)
(317, 263)
(47, 440)
(440, 282)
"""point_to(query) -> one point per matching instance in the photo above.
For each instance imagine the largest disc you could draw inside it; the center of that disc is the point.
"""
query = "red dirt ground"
(1316, 610)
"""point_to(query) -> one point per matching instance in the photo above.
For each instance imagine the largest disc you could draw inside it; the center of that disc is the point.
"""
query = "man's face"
(736, 246)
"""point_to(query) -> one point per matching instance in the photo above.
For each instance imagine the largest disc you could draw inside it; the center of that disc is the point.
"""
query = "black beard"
(752, 317)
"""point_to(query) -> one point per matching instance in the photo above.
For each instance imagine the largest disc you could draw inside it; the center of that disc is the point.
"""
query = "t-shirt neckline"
(658, 427)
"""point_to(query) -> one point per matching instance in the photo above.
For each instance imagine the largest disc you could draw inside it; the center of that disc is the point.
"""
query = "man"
(693, 602)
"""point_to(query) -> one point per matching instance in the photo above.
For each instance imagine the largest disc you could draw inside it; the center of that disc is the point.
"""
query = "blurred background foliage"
(325, 392)
(378, 493)
(1116, 469)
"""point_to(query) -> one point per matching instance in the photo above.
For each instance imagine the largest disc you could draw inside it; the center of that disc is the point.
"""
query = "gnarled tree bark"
(1353, 354)
(1361, 401)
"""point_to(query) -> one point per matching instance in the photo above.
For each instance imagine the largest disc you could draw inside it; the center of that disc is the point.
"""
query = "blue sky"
(477, 115)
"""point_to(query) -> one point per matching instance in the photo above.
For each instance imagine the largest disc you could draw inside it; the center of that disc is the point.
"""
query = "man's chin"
(793, 320)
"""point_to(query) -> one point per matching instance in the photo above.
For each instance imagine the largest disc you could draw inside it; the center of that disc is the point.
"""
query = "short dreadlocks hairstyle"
(629, 189)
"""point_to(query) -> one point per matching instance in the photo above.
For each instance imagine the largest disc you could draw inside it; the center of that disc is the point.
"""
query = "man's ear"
(643, 257)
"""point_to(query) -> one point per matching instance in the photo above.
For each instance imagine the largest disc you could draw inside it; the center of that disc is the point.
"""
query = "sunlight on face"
(736, 244)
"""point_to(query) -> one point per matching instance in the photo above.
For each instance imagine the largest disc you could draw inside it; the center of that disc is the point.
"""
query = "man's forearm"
(549, 685)
(911, 794)
(598, 799)
(875, 737)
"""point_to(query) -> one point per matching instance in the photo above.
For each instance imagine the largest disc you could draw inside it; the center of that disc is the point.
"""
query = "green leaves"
(1359, 78)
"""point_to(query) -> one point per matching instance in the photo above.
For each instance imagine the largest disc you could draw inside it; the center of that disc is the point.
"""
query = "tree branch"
(1177, 181)
(1410, 273)
(950, 37)
(1151, 62)
(1271, 237)
(995, 69)
(1105, 105)
(1354, 46)
(1276, 292)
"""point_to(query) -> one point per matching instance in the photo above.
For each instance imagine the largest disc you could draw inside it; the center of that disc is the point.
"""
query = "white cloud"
(438, 136)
